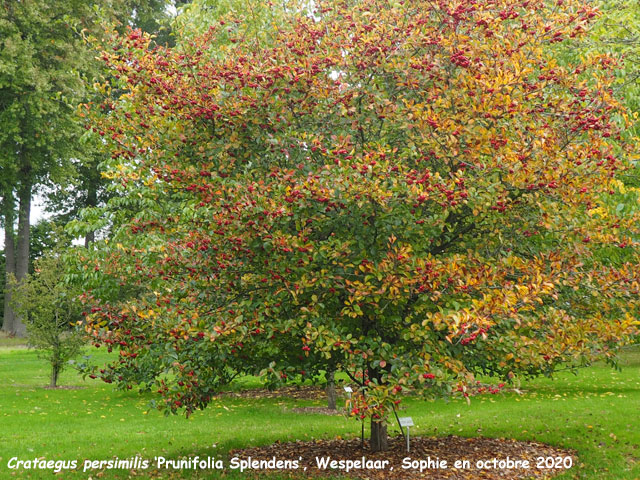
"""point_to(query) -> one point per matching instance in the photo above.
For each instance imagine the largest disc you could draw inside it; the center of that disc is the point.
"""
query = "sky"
(37, 214)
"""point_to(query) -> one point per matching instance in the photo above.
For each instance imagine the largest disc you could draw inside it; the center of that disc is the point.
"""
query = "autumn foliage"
(414, 191)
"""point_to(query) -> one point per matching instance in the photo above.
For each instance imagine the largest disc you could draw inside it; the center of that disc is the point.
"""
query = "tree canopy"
(416, 191)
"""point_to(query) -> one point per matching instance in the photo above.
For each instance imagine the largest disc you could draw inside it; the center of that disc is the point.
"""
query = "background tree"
(50, 309)
(87, 189)
(253, 22)
(418, 192)
(45, 64)
(37, 85)
(618, 30)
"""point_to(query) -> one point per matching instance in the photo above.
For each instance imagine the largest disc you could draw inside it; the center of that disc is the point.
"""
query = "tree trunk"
(92, 201)
(22, 253)
(89, 238)
(379, 439)
(10, 263)
(331, 389)
(55, 371)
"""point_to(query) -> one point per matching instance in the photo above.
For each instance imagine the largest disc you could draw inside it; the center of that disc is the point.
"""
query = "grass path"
(596, 413)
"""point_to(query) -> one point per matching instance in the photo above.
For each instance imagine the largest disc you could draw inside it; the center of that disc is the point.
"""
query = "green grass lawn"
(596, 413)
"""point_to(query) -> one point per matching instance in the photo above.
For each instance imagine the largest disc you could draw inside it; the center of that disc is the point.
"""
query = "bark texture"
(10, 265)
(92, 201)
(22, 251)
(379, 438)
(331, 389)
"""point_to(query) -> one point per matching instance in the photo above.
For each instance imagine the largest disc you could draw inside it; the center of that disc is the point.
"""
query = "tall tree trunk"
(89, 238)
(331, 389)
(92, 201)
(379, 438)
(22, 253)
(10, 262)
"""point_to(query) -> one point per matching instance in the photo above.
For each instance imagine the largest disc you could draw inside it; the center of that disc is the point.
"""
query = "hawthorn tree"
(413, 191)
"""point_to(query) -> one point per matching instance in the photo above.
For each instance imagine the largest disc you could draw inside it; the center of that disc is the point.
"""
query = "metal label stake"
(406, 422)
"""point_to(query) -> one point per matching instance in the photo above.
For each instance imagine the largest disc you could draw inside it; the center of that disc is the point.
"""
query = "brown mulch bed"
(65, 387)
(317, 410)
(449, 449)
(49, 387)
(302, 392)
